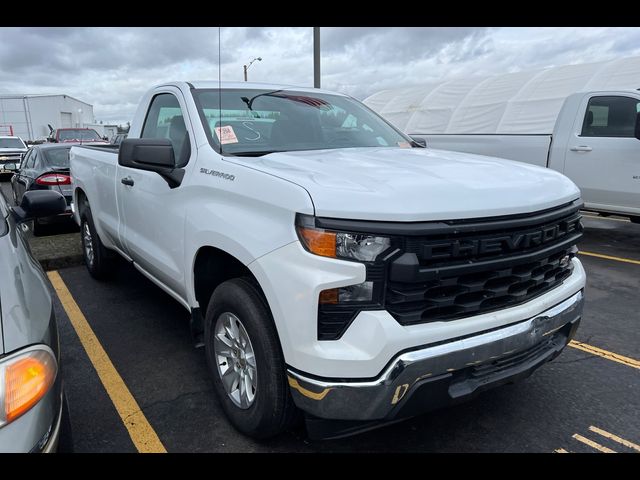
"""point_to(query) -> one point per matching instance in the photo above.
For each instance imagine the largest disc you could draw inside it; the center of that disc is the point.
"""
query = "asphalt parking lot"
(138, 338)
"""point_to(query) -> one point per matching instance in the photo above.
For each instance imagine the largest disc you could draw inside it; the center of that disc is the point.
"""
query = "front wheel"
(245, 361)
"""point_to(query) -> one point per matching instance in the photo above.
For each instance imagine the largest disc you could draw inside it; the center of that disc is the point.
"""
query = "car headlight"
(351, 246)
(25, 377)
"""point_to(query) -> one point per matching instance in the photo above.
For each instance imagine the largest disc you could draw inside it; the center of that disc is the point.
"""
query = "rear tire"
(98, 259)
(268, 408)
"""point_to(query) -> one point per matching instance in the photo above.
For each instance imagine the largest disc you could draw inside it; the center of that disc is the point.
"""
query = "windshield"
(257, 122)
(57, 157)
(79, 134)
(11, 143)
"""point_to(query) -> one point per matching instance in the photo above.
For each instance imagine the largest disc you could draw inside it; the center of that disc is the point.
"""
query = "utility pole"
(245, 73)
(316, 57)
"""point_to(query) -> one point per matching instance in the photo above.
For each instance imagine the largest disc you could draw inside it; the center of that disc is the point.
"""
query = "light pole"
(246, 67)
(316, 57)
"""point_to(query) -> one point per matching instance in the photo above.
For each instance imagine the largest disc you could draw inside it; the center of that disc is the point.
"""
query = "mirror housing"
(151, 154)
(418, 141)
(636, 131)
(40, 203)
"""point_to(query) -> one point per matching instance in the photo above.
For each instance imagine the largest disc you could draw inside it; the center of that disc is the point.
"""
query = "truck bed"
(533, 149)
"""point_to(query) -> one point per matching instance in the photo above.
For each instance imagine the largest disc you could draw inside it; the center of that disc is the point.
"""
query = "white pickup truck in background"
(329, 264)
(595, 142)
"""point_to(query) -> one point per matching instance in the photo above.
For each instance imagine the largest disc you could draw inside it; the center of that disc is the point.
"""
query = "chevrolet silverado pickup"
(329, 263)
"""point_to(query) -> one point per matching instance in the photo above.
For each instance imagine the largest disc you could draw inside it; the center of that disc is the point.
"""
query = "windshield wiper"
(253, 153)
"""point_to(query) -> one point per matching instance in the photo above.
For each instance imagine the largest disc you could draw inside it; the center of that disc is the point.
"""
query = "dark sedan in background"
(34, 415)
(45, 167)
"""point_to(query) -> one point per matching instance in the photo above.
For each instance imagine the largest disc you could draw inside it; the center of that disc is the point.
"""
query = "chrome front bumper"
(446, 372)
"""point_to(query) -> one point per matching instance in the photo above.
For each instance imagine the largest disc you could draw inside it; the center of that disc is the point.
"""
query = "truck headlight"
(25, 377)
(338, 307)
(351, 246)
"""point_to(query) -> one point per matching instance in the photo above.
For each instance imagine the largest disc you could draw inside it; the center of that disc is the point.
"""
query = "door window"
(30, 160)
(165, 120)
(26, 159)
(610, 117)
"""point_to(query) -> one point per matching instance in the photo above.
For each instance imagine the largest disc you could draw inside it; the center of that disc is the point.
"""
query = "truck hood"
(400, 184)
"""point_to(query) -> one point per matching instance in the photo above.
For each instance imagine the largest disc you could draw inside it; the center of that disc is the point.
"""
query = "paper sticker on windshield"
(226, 134)
(404, 144)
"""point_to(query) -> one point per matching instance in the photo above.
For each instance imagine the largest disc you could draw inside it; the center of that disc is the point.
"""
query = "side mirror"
(636, 132)
(418, 141)
(151, 154)
(40, 203)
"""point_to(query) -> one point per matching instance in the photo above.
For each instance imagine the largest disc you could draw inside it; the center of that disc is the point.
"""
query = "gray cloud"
(112, 67)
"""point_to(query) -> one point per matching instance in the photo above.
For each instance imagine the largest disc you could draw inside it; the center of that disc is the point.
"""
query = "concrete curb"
(61, 262)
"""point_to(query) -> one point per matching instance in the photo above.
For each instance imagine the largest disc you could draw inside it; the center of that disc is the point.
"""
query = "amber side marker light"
(317, 241)
(27, 377)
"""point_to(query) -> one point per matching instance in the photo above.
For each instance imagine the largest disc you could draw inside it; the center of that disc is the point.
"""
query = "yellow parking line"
(592, 444)
(607, 218)
(560, 450)
(610, 257)
(142, 434)
(615, 438)
(614, 357)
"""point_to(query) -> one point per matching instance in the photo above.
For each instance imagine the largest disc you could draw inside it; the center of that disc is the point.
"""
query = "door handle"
(127, 181)
(581, 148)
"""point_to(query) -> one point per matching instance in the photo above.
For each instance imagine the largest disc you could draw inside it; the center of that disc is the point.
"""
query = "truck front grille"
(482, 266)
(457, 296)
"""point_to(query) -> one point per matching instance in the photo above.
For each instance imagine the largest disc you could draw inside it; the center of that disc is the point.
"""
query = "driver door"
(153, 214)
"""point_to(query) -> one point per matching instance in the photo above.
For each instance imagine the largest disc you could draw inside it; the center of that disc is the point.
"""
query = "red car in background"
(75, 135)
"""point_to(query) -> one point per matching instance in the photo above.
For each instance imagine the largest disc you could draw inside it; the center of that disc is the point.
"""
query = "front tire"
(245, 361)
(97, 258)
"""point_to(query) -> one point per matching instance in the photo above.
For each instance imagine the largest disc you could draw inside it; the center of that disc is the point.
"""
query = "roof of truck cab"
(525, 102)
(253, 86)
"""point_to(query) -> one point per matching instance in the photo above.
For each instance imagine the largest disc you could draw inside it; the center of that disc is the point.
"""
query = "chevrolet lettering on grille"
(450, 249)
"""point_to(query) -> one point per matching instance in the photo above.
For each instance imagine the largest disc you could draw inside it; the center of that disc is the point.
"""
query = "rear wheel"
(245, 361)
(97, 258)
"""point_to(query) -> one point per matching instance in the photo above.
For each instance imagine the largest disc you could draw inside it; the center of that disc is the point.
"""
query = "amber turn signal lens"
(329, 296)
(319, 242)
(27, 380)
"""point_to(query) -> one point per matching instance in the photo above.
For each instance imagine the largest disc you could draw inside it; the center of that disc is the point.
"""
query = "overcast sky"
(112, 67)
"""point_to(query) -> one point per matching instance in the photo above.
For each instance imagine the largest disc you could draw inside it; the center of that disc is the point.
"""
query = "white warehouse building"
(27, 116)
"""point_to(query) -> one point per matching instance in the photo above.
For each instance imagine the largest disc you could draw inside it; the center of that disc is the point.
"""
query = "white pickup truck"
(595, 142)
(331, 265)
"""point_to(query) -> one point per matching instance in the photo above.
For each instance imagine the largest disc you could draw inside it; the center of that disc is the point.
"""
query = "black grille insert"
(461, 274)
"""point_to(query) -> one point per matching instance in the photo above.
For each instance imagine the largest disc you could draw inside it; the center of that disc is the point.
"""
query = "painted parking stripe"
(142, 434)
(592, 444)
(609, 257)
(560, 450)
(607, 218)
(615, 438)
(614, 357)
